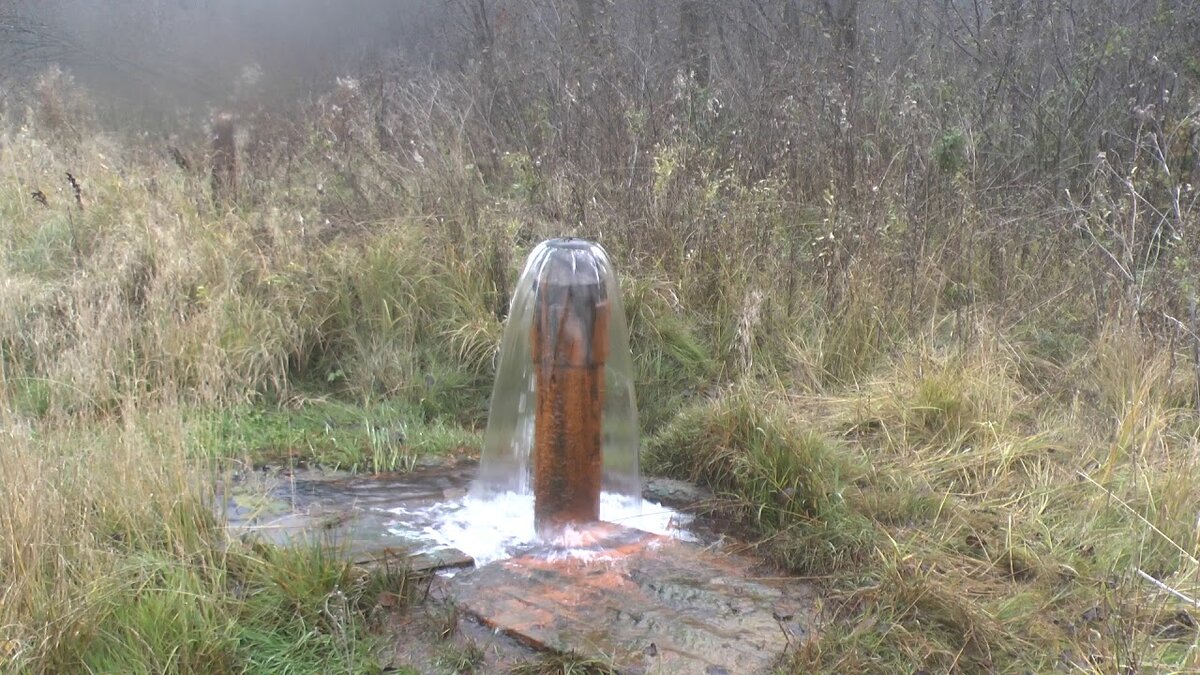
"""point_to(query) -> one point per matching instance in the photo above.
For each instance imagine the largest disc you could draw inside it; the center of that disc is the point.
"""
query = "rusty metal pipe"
(570, 349)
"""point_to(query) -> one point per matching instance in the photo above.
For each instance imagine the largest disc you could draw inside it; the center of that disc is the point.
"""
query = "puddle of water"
(428, 514)
(501, 526)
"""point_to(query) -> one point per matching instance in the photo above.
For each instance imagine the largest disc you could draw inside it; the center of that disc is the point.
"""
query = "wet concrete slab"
(363, 516)
(350, 513)
(650, 604)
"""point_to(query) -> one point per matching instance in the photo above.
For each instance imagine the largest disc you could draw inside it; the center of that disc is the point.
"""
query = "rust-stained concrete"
(651, 604)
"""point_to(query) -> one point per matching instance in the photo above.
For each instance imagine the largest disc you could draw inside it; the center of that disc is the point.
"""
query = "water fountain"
(567, 555)
(563, 431)
(563, 421)
(560, 450)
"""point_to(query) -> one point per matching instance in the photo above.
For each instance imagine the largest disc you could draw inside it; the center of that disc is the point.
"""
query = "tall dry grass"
(966, 518)
(113, 559)
(981, 448)
(123, 312)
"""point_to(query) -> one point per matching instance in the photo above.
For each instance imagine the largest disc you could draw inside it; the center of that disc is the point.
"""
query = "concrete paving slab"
(648, 603)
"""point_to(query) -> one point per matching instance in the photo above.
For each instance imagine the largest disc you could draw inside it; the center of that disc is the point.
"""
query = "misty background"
(195, 52)
(862, 98)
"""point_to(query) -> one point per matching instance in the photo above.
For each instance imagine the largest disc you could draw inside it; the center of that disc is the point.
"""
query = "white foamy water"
(495, 528)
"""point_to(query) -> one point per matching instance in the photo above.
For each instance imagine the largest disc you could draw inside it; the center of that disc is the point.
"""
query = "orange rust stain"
(602, 606)
(570, 348)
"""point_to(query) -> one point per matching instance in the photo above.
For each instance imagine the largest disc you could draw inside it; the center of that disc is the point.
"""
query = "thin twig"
(1140, 517)
(1167, 588)
(1195, 321)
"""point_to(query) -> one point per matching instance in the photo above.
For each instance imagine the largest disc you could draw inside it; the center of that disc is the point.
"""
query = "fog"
(156, 52)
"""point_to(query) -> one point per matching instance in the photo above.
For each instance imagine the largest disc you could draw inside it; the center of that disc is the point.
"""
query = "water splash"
(502, 525)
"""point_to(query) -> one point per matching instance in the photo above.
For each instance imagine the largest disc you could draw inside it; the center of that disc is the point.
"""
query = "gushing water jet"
(563, 419)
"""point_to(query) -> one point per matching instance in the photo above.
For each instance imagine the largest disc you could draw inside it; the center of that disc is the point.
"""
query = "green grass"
(270, 611)
(114, 561)
(565, 664)
(739, 445)
(464, 659)
(381, 437)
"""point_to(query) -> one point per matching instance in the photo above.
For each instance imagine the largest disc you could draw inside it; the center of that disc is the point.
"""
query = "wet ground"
(651, 604)
(351, 512)
(644, 603)
(371, 516)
